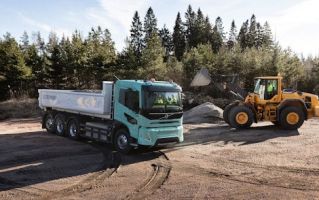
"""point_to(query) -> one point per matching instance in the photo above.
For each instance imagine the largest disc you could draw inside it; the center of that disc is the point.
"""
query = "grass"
(19, 108)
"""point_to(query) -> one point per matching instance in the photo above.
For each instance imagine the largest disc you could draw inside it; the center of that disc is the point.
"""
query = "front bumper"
(154, 136)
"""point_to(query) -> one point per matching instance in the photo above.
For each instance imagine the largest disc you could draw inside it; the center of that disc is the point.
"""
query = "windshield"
(163, 101)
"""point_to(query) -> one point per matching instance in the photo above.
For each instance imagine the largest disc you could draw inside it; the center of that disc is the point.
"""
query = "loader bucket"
(202, 78)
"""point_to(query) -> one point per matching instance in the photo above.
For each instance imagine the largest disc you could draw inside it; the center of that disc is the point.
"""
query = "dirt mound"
(206, 112)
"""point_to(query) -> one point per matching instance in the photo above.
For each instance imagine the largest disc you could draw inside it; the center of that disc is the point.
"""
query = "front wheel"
(241, 117)
(122, 141)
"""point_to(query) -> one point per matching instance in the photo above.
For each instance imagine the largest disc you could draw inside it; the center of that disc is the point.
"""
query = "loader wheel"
(291, 118)
(122, 141)
(226, 112)
(60, 124)
(240, 117)
(49, 123)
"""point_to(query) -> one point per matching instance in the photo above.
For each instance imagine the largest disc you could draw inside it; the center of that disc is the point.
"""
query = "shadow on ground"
(37, 157)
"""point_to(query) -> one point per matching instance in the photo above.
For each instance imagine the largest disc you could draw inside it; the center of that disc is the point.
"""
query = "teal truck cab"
(127, 113)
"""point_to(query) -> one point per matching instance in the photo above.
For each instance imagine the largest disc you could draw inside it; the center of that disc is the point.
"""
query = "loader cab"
(268, 88)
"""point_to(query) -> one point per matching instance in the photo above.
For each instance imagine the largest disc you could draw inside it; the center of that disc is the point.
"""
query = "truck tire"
(122, 141)
(226, 112)
(241, 117)
(73, 129)
(291, 118)
(49, 123)
(60, 124)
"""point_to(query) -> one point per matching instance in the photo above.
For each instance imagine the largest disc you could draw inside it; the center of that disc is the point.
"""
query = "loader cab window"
(266, 88)
(130, 99)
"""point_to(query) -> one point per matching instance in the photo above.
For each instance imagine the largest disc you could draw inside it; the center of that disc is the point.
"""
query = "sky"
(295, 23)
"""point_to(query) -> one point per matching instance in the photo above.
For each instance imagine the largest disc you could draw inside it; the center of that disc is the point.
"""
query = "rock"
(206, 112)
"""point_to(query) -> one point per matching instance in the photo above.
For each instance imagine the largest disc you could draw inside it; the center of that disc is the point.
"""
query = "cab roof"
(140, 83)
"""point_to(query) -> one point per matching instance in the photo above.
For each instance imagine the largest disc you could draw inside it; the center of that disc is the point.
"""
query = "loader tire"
(226, 112)
(291, 118)
(241, 117)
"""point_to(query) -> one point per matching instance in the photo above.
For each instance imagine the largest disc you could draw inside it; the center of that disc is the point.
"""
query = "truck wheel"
(74, 129)
(240, 117)
(49, 123)
(226, 112)
(291, 118)
(122, 141)
(60, 124)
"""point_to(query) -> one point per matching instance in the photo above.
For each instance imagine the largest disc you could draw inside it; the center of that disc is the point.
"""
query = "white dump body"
(81, 102)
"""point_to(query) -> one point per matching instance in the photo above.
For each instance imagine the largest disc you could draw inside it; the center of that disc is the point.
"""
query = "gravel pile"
(204, 113)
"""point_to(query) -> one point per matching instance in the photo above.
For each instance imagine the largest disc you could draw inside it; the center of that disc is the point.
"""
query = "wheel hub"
(122, 141)
(73, 130)
(60, 126)
(292, 118)
(49, 123)
(242, 118)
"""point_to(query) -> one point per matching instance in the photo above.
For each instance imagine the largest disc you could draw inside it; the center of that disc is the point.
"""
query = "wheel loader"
(287, 108)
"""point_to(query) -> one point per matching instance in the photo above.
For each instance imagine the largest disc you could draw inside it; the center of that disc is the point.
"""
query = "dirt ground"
(214, 162)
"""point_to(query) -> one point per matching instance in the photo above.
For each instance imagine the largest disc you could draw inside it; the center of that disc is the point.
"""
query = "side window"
(271, 88)
(130, 99)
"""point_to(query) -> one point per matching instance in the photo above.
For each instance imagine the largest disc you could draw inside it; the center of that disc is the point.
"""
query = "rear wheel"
(291, 118)
(122, 141)
(73, 129)
(226, 112)
(240, 117)
(49, 123)
(60, 124)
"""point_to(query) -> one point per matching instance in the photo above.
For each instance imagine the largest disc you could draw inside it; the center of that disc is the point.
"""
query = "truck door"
(127, 109)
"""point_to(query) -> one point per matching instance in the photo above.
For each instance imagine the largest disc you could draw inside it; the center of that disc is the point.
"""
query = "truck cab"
(150, 113)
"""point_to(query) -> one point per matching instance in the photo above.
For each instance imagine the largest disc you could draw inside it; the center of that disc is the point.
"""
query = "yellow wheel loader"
(269, 102)
(287, 109)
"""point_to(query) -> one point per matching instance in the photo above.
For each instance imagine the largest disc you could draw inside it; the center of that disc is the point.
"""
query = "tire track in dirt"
(110, 164)
(161, 170)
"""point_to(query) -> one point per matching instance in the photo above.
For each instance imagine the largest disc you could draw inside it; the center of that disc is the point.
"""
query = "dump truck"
(126, 113)
(286, 108)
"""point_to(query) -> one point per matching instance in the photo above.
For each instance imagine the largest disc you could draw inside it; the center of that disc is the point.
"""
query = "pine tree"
(207, 32)
(267, 35)
(259, 36)
(179, 37)
(232, 35)
(190, 17)
(252, 33)
(152, 59)
(55, 68)
(218, 35)
(136, 38)
(199, 36)
(167, 41)
(25, 43)
(150, 23)
(220, 27)
(12, 67)
(242, 36)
